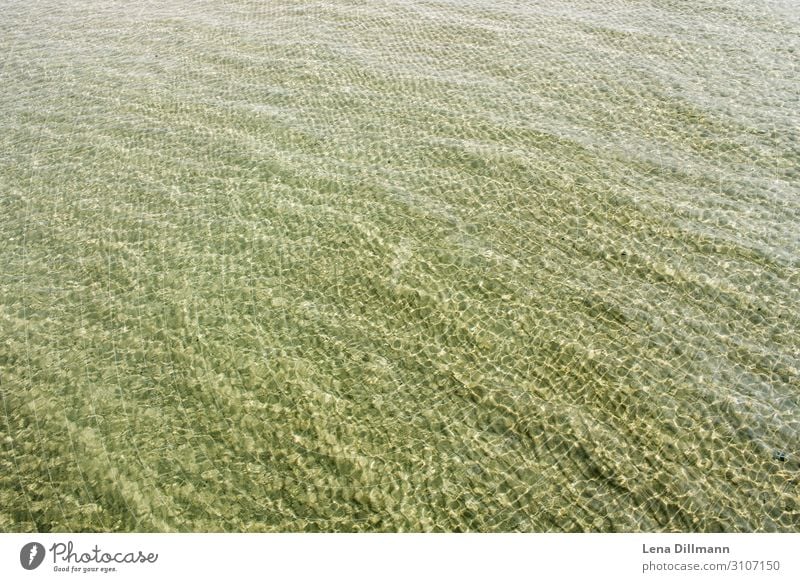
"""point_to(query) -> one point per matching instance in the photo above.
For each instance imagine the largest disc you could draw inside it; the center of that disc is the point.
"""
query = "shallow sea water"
(400, 265)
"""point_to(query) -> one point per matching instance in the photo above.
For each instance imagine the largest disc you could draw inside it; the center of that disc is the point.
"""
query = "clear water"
(400, 265)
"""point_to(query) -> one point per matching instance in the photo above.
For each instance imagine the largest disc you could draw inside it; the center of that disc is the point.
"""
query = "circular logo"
(31, 555)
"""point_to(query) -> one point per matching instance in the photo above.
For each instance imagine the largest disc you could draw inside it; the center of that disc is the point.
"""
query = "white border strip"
(377, 557)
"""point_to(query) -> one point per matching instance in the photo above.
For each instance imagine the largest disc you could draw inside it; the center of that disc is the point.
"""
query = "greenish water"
(400, 265)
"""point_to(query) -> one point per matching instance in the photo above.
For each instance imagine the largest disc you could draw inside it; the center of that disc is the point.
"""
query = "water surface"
(400, 265)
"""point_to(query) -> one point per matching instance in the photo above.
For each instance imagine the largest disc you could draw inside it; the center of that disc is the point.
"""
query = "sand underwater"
(422, 265)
